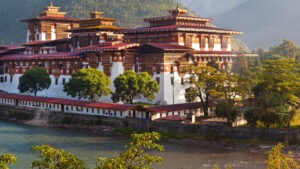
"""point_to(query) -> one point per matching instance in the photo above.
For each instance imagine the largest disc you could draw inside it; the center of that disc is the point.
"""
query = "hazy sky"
(211, 7)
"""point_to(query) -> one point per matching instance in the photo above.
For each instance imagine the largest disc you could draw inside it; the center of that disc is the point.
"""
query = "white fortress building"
(65, 45)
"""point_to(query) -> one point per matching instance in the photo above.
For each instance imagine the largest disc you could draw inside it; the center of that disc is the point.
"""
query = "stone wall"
(58, 119)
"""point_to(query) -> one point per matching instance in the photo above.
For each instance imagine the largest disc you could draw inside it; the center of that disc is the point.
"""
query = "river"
(18, 139)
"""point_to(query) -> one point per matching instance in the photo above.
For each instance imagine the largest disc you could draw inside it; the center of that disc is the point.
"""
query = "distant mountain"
(130, 12)
(208, 8)
(264, 22)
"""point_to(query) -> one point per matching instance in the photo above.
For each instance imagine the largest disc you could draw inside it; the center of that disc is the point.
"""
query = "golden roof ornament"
(178, 11)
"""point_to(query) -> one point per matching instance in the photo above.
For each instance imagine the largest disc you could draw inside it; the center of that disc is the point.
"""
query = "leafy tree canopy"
(34, 80)
(277, 90)
(6, 159)
(88, 83)
(286, 49)
(204, 81)
(131, 85)
(51, 158)
(278, 160)
(208, 84)
(136, 156)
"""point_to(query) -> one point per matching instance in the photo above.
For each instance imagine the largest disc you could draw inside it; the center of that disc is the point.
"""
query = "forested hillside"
(129, 12)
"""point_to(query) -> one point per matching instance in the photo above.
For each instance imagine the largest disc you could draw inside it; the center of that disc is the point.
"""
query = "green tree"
(136, 156)
(227, 109)
(88, 83)
(51, 158)
(131, 85)
(204, 82)
(278, 160)
(277, 90)
(34, 80)
(7, 159)
(286, 49)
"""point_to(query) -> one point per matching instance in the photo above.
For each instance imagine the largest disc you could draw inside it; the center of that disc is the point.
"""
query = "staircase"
(40, 119)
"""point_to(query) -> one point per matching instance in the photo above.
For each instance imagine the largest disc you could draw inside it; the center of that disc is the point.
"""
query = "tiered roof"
(179, 22)
(181, 28)
(96, 23)
(51, 13)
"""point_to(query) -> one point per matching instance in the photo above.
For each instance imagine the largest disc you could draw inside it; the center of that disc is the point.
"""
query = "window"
(157, 79)
(56, 81)
(158, 69)
(188, 41)
(172, 81)
(63, 81)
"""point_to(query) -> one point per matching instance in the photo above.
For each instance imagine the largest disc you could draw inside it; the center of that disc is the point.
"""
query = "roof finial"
(177, 6)
(51, 3)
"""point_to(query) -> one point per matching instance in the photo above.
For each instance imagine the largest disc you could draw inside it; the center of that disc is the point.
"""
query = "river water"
(18, 139)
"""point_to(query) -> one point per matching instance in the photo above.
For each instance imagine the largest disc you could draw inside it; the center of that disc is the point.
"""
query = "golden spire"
(51, 3)
(178, 11)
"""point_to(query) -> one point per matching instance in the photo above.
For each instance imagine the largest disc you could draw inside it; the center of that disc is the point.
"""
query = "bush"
(278, 160)
(227, 110)
(252, 116)
(269, 118)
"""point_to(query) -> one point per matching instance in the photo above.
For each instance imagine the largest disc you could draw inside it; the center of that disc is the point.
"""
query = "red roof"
(214, 53)
(166, 46)
(171, 17)
(101, 48)
(9, 48)
(59, 55)
(101, 105)
(173, 28)
(34, 43)
(174, 107)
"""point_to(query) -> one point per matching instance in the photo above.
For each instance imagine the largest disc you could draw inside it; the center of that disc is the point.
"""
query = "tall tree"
(88, 83)
(7, 159)
(136, 155)
(34, 80)
(286, 49)
(277, 90)
(51, 158)
(204, 81)
(131, 85)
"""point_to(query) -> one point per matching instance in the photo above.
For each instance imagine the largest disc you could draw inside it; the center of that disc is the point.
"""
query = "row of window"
(5, 79)
(57, 107)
